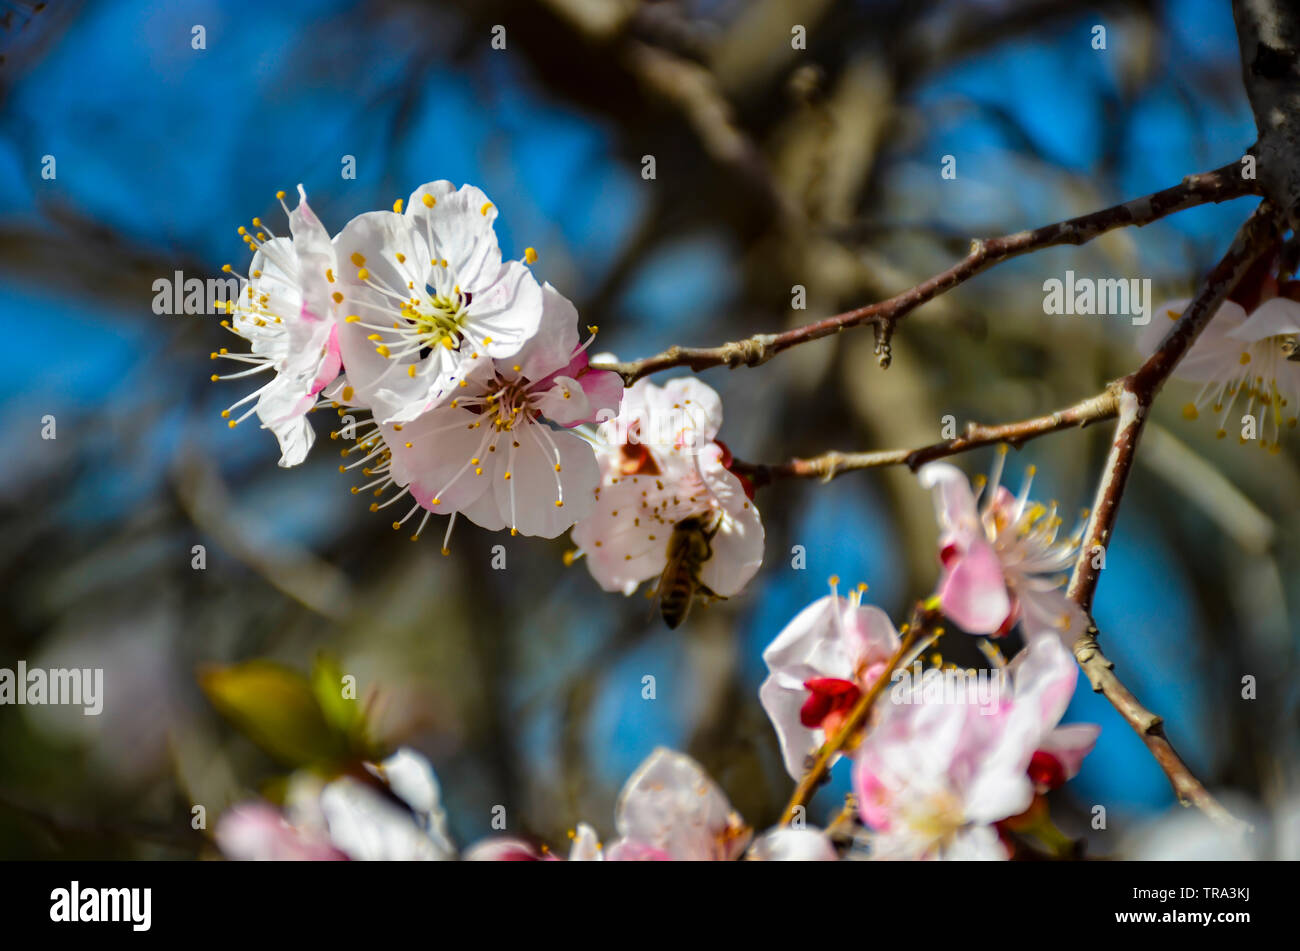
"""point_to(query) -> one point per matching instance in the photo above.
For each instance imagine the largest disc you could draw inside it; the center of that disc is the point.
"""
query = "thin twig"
(1219, 185)
(1104, 405)
(922, 618)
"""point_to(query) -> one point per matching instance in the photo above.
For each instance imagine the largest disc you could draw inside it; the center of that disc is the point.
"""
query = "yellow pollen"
(1189, 411)
(347, 393)
(358, 259)
(507, 475)
(429, 200)
(530, 255)
(280, 195)
(1245, 358)
(338, 298)
(486, 205)
(397, 206)
(363, 275)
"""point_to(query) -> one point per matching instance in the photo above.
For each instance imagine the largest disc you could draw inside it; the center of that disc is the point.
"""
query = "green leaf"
(344, 713)
(276, 707)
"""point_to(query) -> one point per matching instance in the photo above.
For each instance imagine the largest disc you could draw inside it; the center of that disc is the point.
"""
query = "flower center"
(438, 319)
(829, 702)
(1046, 771)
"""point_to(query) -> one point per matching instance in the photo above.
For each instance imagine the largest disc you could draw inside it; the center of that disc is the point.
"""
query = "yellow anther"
(280, 195)
(363, 275)
(358, 259)
(1190, 412)
(397, 206)
(486, 205)
(429, 200)
(530, 255)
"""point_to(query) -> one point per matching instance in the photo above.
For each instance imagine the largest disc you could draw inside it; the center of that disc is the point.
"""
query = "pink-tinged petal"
(254, 831)
(604, 389)
(509, 310)
(1274, 317)
(630, 850)
(1048, 612)
(737, 544)
(503, 849)
(550, 349)
(783, 702)
(623, 542)
(1070, 744)
(671, 805)
(818, 645)
(954, 503)
(434, 454)
(565, 403)
(974, 590)
(1045, 674)
(545, 468)
(331, 363)
(1214, 349)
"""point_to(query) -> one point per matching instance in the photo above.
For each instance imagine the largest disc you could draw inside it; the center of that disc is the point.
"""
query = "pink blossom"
(670, 810)
(1002, 563)
(933, 778)
(820, 664)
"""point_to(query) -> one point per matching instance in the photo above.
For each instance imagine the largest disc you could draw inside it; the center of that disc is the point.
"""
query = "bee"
(689, 547)
(1290, 346)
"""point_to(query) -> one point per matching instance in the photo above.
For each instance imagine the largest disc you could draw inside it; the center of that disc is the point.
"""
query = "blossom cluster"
(468, 374)
(465, 390)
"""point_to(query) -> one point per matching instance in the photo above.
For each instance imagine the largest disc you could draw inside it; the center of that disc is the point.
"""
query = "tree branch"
(1138, 390)
(1268, 32)
(1104, 405)
(1219, 185)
